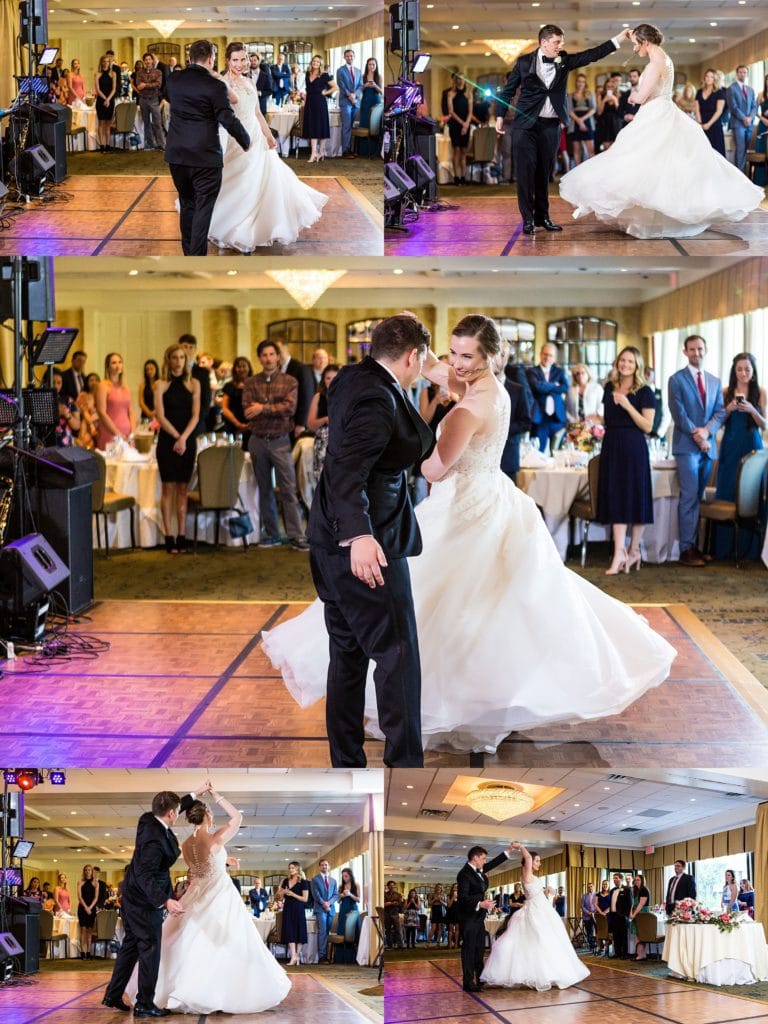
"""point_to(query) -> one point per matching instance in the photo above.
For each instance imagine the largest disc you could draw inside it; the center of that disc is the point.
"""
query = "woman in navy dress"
(624, 492)
(372, 97)
(747, 897)
(761, 140)
(710, 105)
(294, 892)
(317, 126)
(349, 915)
(745, 405)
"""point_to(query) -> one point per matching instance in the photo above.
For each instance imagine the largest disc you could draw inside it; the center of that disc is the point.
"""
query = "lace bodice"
(534, 889)
(483, 453)
(666, 82)
(200, 864)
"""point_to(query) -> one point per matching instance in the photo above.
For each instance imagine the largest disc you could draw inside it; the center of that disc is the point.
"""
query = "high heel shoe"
(619, 567)
(181, 545)
(633, 561)
(170, 546)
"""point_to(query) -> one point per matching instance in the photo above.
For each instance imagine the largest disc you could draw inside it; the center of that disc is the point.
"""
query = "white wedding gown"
(534, 951)
(509, 638)
(212, 958)
(661, 177)
(261, 200)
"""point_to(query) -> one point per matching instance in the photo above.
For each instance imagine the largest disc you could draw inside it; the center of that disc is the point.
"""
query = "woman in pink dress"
(62, 895)
(117, 416)
(76, 83)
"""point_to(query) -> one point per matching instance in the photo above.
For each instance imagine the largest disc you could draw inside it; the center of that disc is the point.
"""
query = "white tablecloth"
(264, 925)
(282, 121)
(70, 927)
(554, 491)
(85, 117)
(142, 481)
(703, 953)
(367, 938)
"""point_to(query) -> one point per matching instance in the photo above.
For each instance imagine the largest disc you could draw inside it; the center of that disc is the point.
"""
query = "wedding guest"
(146, 389)
(203, 377)
(138, 65)
(124, 81)
(104, 88)
(318, 86)
(89, 420)
(658, 412)
(261, 76)
(582, 107)
(92, 382)
(68, 426)
(628, 110)
(481, 108)
(117, 416)
(350, 83)
(624, 490)
(317, 419)
(295, 891)
(710, 104)
(296, 80)
(349, 917)
(62, 895)
(73, 379)
(177, 409)
(61, 91)
(412, 919)
(686, 100)
(305, 381)
(33, 890)
(760, 175)
(747, 897)
(459, 119)
(745, 408)
(49, 903)
(281, 78)
(258, 898)
(519, 414)
(621, 903)
(559, 901)
(681, 886)
(76, 81)
(548, 384)
(320, 360)
(372, 96)
(588, 904)
(325, 893)
(87, 897)
(110, 55)
(603, 909)
(641, 897)
(695, 401)
(517, 899)
(232, 395)
(607, 124)
(742, 107)
(584, 401)
(437, 912)
(730, 900)
(452, 916)
(393, 907)
(148, 84)
(101, 885)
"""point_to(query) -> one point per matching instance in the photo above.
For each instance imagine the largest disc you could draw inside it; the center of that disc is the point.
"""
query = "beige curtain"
(760, 881)
(576, 881)
(9, 55)
(376, 856)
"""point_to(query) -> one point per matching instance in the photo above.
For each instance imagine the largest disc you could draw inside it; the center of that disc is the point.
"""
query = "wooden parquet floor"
(114, 215)
(431, 991)
(186, 684)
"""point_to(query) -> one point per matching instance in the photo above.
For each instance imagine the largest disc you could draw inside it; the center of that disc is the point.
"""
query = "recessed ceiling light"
(309, 833)
(409, 787)
(577, 805)
(713, 24)
(693, 799)
(535, 5)
(399, 270)
(328, 810)
(430, 6)
(606, 788)
(630, 811)
(691, 40)
(45, 835)
(107, 834)
(625, 24)
(404, 803)
(487, 53)
(462, 44)
(231, 273)
(55, 860)
(454, 27)
(73, 812)
(133, 273)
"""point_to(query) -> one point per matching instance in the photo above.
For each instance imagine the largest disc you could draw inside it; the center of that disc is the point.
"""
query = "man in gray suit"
(325, 893)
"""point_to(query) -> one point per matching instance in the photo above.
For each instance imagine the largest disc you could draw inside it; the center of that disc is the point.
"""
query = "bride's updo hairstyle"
(196, 813)
(233, 48)
(648, 34)
(483, 329)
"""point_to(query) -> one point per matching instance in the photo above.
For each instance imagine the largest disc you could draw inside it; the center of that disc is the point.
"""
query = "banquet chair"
(297, 132)
(648, 931)
(125, 122)
(483, 149)
(47, 938)
(602, 933)
(106, 926)
(274, 939)
(377, 920)
(350, 933)
(745, 510)
(106, 502)
(373, 131)
(585, 508)
(753, 162)
(70, 133)
(218, 480)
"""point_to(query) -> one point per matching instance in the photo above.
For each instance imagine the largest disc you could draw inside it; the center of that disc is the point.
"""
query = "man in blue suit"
(350, 83)
(325, 893)
(742, 106)
(281, 79)
(258, 898)
(696, 405)
(549, 387)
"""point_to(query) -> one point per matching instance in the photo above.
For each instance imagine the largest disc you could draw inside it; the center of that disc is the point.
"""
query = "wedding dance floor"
(134, 215)
(482, 224)
(429, 990)
(186, 683)
(75, 996)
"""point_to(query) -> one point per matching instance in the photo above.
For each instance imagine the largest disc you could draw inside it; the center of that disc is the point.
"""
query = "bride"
(509, 638)
(212, 958)
(661, 177)
(261, 200)
(534, 951)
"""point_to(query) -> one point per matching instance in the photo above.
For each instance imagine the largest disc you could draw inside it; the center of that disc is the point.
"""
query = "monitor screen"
(49, 56)
(22, 849)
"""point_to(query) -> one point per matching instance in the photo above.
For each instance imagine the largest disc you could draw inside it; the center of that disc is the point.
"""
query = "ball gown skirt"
(660, 178)
(509, 638)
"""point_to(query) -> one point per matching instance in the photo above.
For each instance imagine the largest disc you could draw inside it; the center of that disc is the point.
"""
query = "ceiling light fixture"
(305, 286)
(499, 801)
(165, 28)
(508, 49)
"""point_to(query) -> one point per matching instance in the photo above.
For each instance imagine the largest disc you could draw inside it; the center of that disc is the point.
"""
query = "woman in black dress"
(459, 120)
(317, 418)
(87, 896)
(710, 104)
(607, 122)
(105, 88)
(624, 491)
(146, 389)
(232, 398)
(438, 911)
(452, 917)
(177, 409)
(581, 135)
(294, 892)
(317, 126)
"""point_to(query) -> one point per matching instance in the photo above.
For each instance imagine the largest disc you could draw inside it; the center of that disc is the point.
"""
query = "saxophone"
(6, 500)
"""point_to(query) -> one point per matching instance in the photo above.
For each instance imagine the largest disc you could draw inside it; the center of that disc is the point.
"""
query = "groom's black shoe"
(529, 227)
(142, 1012)
(115, 1004)
(549, 226)
(471, 988)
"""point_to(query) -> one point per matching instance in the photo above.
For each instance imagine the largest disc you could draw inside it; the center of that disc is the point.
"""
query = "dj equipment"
(37, 300)
(404, 26)
(398, 177)
(34, 22)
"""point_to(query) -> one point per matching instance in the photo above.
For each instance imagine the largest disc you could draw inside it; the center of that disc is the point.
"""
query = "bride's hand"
(271, 141)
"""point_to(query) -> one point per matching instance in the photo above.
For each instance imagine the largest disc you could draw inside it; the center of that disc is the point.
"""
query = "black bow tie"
(548, 60)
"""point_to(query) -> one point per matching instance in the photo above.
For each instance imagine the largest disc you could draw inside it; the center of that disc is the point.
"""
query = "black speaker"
(9, 945)
(64, 518)
(25, 928)
(397, 176)
(54, 136)
(12, 809)
(37, 299)
(426, 148)
(34, 22)
(84, 466)
(404, 26)
(29, 568)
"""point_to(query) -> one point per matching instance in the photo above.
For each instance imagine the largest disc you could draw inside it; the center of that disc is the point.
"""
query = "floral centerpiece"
(585, 435)
(689, 911)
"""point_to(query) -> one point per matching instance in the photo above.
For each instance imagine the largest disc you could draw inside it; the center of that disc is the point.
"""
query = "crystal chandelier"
(499, 801)
(305, 286)
(165, 28)
(508, 49)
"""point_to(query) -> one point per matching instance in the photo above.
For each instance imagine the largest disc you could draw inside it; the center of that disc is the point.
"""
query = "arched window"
(359, 339)
(164, 50)
(585, 339)
(265, 50)
(520, 335)
(304, 336)
(298, 52)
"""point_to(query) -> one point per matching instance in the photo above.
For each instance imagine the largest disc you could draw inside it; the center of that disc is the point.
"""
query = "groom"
(362, 530)
(147, 892)
(542, 78)
(472, 881)
(199, 104)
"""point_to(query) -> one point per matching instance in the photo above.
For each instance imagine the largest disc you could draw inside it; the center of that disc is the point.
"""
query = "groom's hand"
(366, 559)
(625, 34)
(174, 907)
(487, 904)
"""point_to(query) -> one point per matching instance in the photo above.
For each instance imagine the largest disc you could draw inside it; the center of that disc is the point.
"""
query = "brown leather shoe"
(704, 555)
(691, 557)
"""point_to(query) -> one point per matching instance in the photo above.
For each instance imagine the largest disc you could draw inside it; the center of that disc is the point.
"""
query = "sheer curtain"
(725, 338)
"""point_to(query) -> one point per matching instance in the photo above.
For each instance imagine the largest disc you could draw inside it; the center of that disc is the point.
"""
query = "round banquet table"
(554, 489)
(85, 117)
(264, 925)
(283, 119)
(701, 952)
(492, 925)
(367, 938)
(66, 924)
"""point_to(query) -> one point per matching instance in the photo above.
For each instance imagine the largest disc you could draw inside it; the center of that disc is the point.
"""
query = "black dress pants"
(535, 146)
(618, 925)
(473, 947)
(143, 931)
(367, 625)
(198, 189)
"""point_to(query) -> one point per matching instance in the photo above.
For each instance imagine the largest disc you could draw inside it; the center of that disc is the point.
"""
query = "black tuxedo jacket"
(375, 434)
(148, 881)
(472, 888)
(69, 384)
(534, 93)
(199, 104)
(623, 900)
(686, 890)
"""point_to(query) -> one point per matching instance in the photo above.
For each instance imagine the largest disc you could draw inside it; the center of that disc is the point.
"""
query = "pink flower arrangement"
(688, 911)
(585, 435)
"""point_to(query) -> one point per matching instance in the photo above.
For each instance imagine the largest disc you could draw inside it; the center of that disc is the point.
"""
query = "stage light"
(28, 779)
(57, 778)
(421, 62)
(10, 776)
